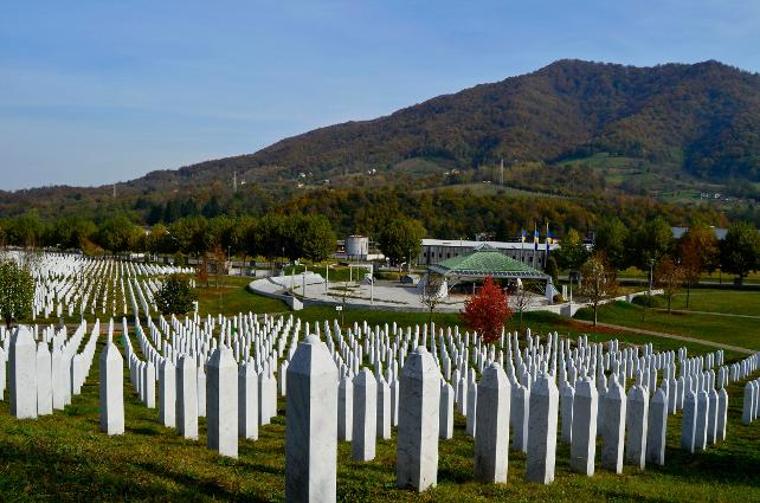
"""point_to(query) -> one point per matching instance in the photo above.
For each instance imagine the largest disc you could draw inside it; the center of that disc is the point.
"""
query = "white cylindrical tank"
(357, 247)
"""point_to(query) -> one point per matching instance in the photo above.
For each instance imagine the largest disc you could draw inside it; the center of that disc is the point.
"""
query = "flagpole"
(546, 255)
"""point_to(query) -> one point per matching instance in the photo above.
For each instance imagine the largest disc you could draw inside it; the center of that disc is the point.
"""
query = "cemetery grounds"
(64, 456)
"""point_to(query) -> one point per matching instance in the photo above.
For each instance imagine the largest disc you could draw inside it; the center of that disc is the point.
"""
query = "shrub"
(175, 296)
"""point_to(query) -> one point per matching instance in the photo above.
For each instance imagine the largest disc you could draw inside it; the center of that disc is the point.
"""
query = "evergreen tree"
(16, 292)
(175, 295)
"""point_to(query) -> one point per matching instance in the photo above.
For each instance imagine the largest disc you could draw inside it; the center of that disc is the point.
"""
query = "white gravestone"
(23, 374)
(472, 409)
(419, 406)
(111, 390)
(201, 375)
(44, 380)
(722, 415)
(59, 384)
(612, 418)
(221, 402)
(657, 428)
(311, 442)
(703, 414)
(187, 398)
(150, 385)
(446, 414)
(585, 410)
(492, 439)
(383, 409)
(712, 417)
(345, 409)
(168, 394)
(636, 422)
(566, 398)
(248, 401)
(542, 434)
(519, 412)
(265, 414)
(364, 436)
(689, 421)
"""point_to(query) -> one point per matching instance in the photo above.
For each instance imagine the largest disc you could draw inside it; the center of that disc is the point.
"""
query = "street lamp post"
(327, 277)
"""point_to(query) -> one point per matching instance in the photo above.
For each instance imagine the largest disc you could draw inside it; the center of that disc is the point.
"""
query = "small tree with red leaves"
(487, 310)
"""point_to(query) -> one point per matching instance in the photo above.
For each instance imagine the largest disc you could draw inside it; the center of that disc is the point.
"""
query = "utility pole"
(501, 172)
(234, 181)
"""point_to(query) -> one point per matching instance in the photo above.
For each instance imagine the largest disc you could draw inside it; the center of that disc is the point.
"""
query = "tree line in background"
(272, 235)
(629, 233)
(651, 247)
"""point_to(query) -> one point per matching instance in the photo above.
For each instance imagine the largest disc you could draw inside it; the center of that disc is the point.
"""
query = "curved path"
(670, 336)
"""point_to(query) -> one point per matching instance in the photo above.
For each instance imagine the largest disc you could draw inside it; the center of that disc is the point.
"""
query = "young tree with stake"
(599, 281)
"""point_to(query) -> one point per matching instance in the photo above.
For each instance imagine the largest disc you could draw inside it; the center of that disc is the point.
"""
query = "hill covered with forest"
(702, 119)
(571, 129)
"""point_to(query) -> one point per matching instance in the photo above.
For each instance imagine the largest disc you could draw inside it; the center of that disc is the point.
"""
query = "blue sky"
(93, 92)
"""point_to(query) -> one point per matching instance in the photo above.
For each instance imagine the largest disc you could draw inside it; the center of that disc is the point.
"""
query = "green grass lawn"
(232, 297)
(743, 332)
(716, 277)
(64, 457)
(744, 302)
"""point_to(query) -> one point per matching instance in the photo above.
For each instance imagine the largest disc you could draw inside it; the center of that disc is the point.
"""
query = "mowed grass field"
(230, 296)
(722, 328)
(741, 302)
(64, 457)
(713, 277)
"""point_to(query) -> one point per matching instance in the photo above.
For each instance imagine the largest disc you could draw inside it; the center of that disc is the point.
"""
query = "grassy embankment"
(733, 330)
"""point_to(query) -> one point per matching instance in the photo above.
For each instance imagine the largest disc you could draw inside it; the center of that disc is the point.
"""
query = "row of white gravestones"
(646, 420)
(751, 405)
(249, 401)
(538, 391)
(68, 283)
(643, 412)
(742, 369)
(41, 381)
(644, 417)
(257, 391)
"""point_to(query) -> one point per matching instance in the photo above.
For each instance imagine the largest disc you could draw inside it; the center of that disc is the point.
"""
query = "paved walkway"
(709, 313)
(671, 336)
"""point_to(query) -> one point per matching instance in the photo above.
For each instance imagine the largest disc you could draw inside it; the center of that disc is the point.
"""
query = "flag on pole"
(548, 242)
(536, 237)
(522, 236)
